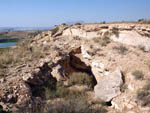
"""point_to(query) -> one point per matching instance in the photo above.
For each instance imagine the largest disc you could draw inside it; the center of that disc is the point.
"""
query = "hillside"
(88, 68)
(16, 35)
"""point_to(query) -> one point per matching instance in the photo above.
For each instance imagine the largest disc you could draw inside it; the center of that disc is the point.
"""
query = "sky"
(45, 13)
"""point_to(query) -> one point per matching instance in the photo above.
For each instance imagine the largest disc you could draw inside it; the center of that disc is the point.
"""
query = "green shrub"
(138, 75)
(80, 79)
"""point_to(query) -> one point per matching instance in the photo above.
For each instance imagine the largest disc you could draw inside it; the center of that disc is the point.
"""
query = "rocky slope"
(116, 55)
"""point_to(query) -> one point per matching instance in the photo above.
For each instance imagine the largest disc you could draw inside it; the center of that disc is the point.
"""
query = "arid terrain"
(87, 68)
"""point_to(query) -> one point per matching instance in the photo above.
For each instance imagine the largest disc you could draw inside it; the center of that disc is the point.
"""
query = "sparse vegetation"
(21, 53)
(101, 102)
(105, 41)
(18, 55)
(80, 79)
(74, 105)
(143, 95)
(78, 23)
(77, 38)
(138, 75)
(123, 87)
(102, 41)
(54, 30)
(121, 49)
(144, 21)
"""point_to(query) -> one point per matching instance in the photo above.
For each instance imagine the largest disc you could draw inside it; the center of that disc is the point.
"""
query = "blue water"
(9, 44)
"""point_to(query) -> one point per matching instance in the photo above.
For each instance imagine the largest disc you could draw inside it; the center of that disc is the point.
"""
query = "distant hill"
(23, 28)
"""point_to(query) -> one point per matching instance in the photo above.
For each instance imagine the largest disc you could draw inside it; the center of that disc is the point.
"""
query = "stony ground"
(114, 56)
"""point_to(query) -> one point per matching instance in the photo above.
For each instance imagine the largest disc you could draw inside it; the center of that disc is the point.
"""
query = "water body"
(8, 44)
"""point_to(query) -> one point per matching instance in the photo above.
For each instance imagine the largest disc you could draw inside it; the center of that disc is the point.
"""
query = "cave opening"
(80, 66)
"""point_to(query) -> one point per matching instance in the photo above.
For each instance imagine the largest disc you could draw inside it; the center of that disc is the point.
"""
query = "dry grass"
(74, 105)
(18, 55)
(80, 79)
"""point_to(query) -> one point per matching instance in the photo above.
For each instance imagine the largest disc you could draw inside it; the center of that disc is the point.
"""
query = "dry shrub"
(121, 49)
(143, 95)
(138, 74)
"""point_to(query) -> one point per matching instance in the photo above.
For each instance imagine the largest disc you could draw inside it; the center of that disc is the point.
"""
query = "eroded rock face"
(135, 35)
(132, 38)
(109, 87)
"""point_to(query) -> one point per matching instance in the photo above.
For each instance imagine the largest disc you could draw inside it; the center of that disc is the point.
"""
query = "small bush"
(144, 21)
(78, 23)
(105, 41)
(143, 95)
(80, 79)
(123, 87)
(138, 74)
(121, 49)
(102, 41)
(55, 30)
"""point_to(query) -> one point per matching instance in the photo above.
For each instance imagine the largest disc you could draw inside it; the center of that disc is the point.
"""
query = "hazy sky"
(36, 13)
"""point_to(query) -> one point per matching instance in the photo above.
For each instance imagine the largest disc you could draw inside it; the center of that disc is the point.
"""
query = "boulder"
(109, 87)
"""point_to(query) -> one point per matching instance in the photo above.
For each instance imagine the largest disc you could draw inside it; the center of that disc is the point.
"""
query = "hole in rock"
(79, 66)
(109, 103)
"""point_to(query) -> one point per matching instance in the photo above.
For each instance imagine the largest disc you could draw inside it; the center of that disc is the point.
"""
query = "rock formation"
(89, 48)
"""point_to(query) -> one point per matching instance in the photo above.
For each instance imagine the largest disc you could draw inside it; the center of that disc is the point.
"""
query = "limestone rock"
(109, 87)
(98, 70)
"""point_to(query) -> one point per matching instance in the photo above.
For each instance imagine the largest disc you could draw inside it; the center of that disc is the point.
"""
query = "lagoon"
(8, 44)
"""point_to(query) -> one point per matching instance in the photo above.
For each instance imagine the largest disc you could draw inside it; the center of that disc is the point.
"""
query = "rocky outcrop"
(135, 35)
(132, 38)
(109, 88)
(77, 48)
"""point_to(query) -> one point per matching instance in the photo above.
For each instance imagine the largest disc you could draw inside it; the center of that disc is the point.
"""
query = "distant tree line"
(144, 21)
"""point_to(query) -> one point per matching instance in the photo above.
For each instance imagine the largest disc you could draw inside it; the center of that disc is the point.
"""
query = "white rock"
(109, 87)
(84, 53)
